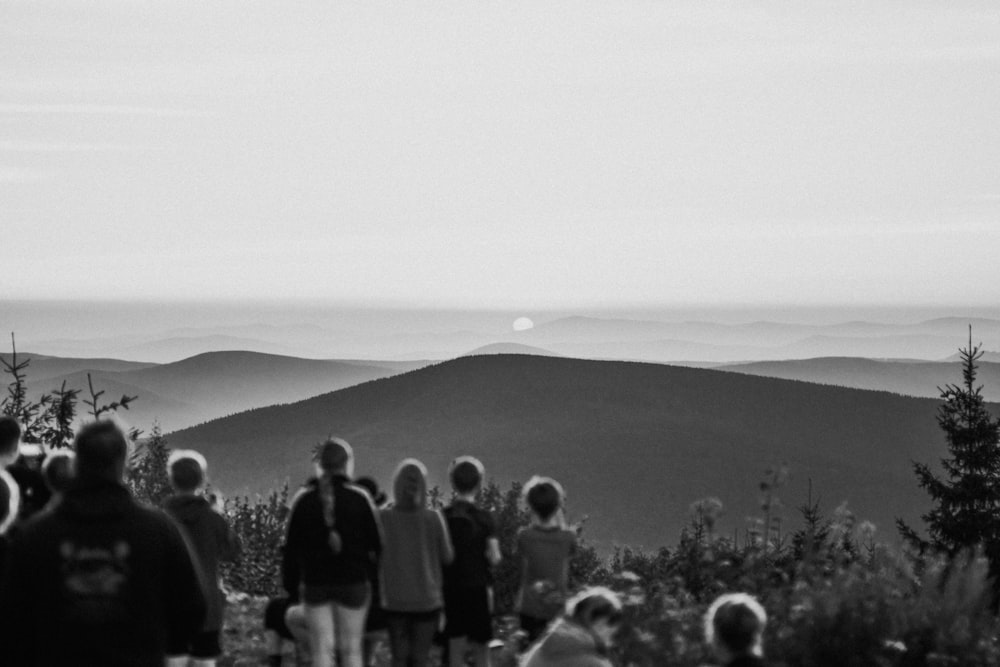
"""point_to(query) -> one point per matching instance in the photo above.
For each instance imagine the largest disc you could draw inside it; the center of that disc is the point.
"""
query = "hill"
(913, 378)
(42, 367)
(510, 348)
(215, 384)
(635, 444)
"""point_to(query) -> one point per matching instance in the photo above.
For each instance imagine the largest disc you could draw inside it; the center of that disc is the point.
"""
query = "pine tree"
(147, 476)
(966, 512)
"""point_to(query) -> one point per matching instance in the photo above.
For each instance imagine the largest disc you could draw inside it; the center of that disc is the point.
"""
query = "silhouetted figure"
(213, 541)
(10, 499)
(417, 548)
(333, 537)
(59, 471)
(734, 628)
(375, 623)
(101, 579)
(23, 463)
(468, 595)
(544, 550)
(582, 637)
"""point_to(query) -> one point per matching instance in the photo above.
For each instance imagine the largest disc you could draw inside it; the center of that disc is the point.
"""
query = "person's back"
(544, 550)
(212, 540)
(734, 629)
(417, 548)
(100, 579)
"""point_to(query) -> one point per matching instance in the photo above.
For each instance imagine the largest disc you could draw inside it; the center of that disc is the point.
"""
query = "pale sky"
(515, 154)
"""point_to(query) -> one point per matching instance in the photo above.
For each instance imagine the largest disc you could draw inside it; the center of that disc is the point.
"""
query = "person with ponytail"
(417, 548)
(334, 538)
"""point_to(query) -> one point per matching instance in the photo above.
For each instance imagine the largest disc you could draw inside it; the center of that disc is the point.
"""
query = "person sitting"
(734, 628)
(582, 636)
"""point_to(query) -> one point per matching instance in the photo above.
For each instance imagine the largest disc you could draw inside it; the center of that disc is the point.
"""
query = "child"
(582, 637)
(734, 628)
(544, 550)
(417, 548)
(468, 595)
(211, 539)
(57, 471)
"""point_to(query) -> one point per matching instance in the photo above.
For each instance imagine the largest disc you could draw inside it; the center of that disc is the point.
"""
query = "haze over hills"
(634, 443)
(215, 384)
(913, 378)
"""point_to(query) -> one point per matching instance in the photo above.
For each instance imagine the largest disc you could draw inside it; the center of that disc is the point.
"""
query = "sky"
(501, 154)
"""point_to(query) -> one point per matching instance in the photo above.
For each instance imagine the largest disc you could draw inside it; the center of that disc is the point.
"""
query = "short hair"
(466, 474)
(57, 470)
(186, 469)
(544, 496)
(335, 455)
(371, 486)
(10, 500)
(593, 604)
(10, 434)
(735, 622)
(101, 449)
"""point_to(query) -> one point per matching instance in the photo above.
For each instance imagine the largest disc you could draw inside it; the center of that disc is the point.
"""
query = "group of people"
(90, 576)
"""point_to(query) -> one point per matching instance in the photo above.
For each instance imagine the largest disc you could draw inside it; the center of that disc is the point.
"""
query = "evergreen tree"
(147, 476)
(966, 512)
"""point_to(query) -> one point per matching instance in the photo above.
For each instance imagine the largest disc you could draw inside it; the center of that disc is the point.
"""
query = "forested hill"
(635, 444)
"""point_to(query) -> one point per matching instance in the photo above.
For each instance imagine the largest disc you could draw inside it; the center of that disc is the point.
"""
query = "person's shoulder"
(358, 493)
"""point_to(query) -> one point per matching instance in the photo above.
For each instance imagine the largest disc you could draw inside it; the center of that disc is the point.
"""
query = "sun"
(523, 324)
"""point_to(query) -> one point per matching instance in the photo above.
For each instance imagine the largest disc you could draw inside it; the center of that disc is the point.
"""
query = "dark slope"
(913, 378)
(635, 444)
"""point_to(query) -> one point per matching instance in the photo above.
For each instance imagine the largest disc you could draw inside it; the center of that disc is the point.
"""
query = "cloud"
(19, 175)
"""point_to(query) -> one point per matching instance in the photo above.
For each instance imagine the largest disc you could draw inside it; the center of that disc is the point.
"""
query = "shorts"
(202, 646)
(468, 614)
(352, 596)
(274, 617)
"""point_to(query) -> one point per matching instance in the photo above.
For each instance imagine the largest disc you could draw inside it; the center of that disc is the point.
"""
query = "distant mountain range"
(913, 378)
(417, 337)
(205, 386)
(635, 444)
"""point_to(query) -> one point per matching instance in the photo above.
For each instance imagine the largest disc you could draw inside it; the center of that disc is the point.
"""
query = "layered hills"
(634, 443)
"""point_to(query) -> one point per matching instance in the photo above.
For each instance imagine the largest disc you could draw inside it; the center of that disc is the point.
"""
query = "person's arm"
(493, 555)
(447, 550)
(290, 573)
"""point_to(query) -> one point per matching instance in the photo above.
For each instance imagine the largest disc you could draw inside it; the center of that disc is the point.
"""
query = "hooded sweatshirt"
(98, 580)
(212, 540)
(567, 644)
(417, 548)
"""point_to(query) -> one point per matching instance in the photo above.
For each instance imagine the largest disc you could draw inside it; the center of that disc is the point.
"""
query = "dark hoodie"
(567, 644)
(98, 580)
(308, 558)
(212, 540)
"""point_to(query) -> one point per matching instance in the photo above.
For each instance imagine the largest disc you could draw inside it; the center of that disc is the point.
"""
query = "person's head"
(101, 450)
(58, 470)
(10, 436)
(10, 500)
(409, 485)
(466, 475)
(734, 625)
(335, 457)
(371, 486)
(544, 497)
(598, 609)
(186, 469)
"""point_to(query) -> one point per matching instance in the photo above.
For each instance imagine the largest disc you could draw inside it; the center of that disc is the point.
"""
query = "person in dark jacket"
(100, 579)
(334, 536)
(22, 461)
(734, 628)
(213, 541)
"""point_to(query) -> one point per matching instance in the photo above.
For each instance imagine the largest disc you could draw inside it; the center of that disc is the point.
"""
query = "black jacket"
(213, 541)
(308, 557)
(98, 580)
